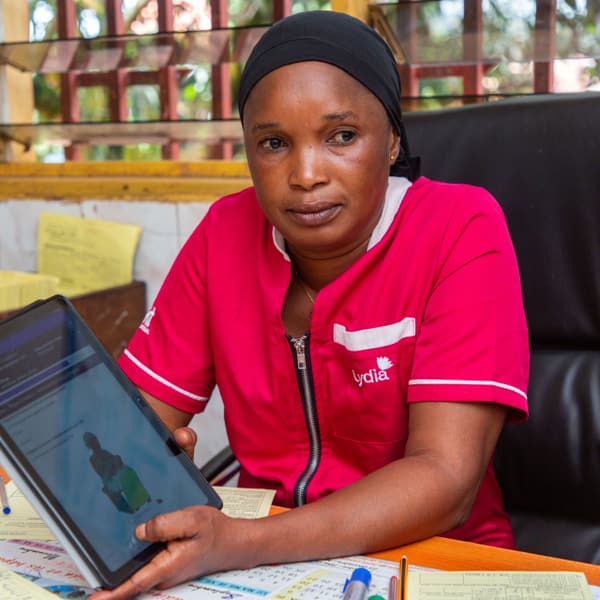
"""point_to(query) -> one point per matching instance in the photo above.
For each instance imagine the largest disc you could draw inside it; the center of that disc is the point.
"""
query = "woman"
(366, 331)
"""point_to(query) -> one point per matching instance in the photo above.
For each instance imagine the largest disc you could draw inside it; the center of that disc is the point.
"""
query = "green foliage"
(508, 35)
(46, 92)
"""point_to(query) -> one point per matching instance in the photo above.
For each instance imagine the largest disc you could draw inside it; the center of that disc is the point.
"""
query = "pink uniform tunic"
(431, 312)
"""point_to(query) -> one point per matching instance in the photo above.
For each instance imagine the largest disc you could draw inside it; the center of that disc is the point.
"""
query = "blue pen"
(4, 498)
(357, 586)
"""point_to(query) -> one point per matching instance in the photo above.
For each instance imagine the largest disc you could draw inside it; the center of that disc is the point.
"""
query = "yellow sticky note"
(86, 254)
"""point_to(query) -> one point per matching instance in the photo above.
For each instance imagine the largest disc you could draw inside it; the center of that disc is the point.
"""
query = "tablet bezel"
(82, 551)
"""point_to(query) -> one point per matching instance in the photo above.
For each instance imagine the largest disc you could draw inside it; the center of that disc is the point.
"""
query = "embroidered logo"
(145, 324)
(374, 375)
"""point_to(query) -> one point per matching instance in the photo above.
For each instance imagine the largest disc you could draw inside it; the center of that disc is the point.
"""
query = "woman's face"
(318, 145)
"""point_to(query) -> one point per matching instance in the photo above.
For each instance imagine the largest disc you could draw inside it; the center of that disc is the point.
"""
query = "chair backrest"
(540, 157)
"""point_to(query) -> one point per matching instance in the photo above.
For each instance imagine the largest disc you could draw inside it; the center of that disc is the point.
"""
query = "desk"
(454, 555)
(447, 554)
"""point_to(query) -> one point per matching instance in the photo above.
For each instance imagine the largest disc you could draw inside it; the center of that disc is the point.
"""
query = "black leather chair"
(222, 468)
(540, 157)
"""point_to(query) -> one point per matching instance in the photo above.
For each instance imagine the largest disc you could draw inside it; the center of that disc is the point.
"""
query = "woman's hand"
(199, 539)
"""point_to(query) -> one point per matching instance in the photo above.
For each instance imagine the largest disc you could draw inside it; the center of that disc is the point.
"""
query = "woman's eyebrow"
(336, 116)
(340, 116)
(264, 125)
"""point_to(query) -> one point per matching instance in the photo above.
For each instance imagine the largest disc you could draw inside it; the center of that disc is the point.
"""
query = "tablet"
(84, 446)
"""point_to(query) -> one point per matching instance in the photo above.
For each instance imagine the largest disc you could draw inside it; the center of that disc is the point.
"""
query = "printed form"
(15, 587)
(497, 585)
(50, 568)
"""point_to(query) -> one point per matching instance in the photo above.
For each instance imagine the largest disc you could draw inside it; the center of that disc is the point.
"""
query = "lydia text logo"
(374, 375)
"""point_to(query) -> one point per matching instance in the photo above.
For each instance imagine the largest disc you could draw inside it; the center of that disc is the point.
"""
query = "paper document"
(497, 585)
(40, 559)
(86, 254)
(315, 580)
(47, 564)
(245, 503)
(24, 523)
(16, 587)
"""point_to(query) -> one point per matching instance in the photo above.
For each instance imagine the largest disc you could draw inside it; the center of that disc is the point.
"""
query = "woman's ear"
(394, 146)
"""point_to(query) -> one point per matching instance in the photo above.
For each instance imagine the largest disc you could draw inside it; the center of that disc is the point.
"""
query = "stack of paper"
(86, 254)
(18, 289)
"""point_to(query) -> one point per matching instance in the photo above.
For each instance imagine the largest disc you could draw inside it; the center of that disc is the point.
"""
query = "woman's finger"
(143, 580)
(190, 533)
(186, 437)
(188, 523)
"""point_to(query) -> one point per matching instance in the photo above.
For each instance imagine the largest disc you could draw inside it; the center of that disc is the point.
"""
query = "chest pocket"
(369, 381)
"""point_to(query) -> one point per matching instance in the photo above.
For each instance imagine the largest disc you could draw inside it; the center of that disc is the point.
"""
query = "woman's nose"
(308, 168)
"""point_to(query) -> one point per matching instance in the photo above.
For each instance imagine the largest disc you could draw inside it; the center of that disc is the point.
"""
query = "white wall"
(165, 226)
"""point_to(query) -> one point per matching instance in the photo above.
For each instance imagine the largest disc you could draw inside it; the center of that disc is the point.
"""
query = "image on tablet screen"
(77, 425)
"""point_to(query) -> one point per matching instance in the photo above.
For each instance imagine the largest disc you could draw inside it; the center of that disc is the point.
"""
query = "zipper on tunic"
(299, 348)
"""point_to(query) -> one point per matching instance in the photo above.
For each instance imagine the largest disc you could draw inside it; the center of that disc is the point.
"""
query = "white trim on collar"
(396, 190)
(279, 243)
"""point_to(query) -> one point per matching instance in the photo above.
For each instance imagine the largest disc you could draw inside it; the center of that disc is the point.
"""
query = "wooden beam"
(139, 181)
(545, 46)
(67, 20)
(221, 81)
(118, 85)
(125, 168)
(473, 47)
(281, 9)
(356, 8)
(167, 81)
(16, 88)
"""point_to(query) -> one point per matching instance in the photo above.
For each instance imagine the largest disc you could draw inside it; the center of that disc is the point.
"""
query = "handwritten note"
(86, 254)
(16, 587)
(497, 585)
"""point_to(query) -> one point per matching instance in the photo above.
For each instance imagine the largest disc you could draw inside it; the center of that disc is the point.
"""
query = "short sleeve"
(169, 355)
(472, 343)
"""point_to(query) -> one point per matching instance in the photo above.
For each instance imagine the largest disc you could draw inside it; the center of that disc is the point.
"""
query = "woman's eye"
(343, 137)
(271, 144)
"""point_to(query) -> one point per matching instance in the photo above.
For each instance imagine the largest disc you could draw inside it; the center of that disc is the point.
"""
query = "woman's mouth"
(313, 216)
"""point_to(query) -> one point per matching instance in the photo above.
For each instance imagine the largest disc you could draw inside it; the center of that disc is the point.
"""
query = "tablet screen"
(101, 458)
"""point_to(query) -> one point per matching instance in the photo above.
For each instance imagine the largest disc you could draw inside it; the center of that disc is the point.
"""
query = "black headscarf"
(344, 42)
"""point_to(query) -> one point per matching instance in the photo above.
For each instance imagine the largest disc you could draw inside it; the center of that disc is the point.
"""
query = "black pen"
(403, 577)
